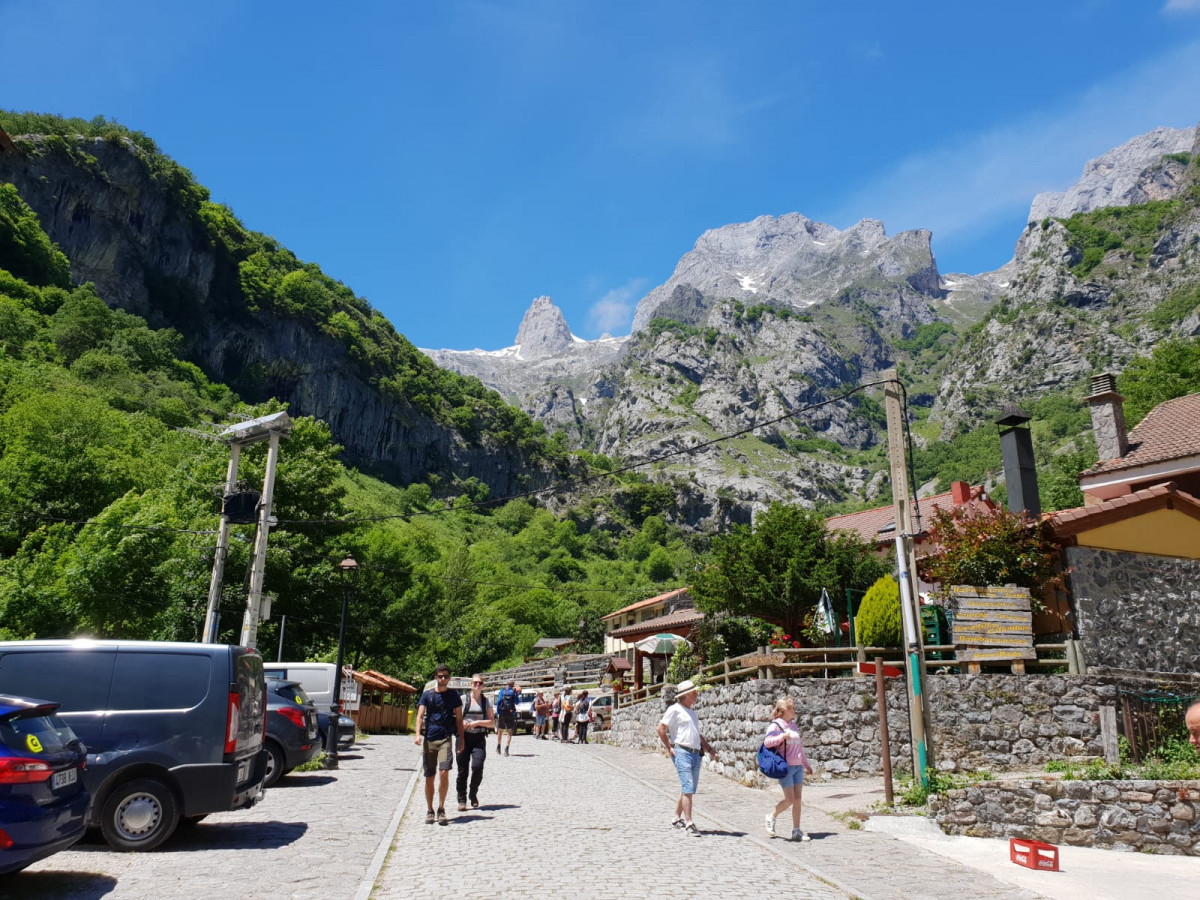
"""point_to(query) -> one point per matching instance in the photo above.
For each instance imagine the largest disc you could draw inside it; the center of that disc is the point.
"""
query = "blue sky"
(451, 161)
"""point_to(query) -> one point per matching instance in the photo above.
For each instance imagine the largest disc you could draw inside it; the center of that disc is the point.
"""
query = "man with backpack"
(506, 715)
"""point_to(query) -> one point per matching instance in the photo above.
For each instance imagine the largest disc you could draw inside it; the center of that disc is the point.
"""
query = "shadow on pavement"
(349, 756)
(491, 806)
(466, 818)
(76, 885)
(716, 832)
(405, 769)
(237, 836)
(291, 781)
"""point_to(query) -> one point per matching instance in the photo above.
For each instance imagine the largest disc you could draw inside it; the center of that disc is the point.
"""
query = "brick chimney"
(1108, 417)
(960, 493)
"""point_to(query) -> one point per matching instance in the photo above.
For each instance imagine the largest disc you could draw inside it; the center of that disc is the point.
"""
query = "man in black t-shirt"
(440, 713)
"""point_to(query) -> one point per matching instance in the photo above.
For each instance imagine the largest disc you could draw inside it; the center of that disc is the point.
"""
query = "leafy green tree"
(1172, 370)
(776, 569)
(994, 548)
(25, 249)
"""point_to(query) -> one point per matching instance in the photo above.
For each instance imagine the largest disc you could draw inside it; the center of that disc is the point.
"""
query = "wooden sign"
(991, 624)
(769, 659)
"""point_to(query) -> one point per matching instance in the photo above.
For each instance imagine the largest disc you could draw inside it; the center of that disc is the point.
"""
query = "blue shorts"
(539, 721)
(687, 765)
(794, 777)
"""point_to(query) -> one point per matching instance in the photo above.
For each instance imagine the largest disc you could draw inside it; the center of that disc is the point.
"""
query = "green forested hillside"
(108, 512)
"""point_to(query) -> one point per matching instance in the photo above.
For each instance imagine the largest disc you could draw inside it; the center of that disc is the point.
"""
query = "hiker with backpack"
(783, 736)
(583, 717)
(506, 715)
(472, 749)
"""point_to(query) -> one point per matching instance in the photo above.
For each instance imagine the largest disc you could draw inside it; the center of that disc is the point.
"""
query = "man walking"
(679, 730)
(506, 715)
(440, 714)
(564, 715)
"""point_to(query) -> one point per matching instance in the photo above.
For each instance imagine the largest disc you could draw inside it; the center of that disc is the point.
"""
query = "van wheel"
(139, 815)
(275, 764)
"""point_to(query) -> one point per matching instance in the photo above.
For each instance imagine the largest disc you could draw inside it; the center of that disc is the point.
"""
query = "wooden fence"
(840, 662)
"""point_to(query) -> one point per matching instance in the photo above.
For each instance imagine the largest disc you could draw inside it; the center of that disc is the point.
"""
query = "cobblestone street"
(591, 821)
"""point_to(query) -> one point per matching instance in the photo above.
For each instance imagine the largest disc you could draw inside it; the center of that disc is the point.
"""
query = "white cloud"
(1182, 6)
(613, 313)
(964, 186)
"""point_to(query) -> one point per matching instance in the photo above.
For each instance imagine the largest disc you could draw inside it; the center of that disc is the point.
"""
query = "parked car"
(525, 715)
(173, 731)
(347, 731)
(602, 710)
(43, 801)
(291, 729)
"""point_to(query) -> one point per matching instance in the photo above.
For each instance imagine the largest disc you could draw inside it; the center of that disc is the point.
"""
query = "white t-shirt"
(683, 725)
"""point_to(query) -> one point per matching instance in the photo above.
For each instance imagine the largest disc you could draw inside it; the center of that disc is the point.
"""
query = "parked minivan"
(315, 678)
(173, 731)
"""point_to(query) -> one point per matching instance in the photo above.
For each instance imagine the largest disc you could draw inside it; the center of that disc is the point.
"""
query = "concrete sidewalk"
(908, 856)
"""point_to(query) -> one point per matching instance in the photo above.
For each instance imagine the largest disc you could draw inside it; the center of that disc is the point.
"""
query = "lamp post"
(348, 567)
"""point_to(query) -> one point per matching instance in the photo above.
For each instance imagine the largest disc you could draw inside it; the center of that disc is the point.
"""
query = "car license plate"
(243, 771)
(63, 778)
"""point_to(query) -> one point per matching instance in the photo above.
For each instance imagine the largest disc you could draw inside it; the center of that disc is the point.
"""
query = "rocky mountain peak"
(788, 260)
(1116, 178)
(543, 330)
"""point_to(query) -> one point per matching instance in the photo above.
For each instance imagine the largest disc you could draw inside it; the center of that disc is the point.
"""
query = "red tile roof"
(1170, 431)
(642, 604)
(1067, 522)
(868, 523)
(663, 623)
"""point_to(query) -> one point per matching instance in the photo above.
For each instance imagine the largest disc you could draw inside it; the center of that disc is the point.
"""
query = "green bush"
(878, 621)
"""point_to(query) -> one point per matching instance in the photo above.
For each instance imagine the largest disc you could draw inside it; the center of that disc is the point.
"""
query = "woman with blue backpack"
(783, 737)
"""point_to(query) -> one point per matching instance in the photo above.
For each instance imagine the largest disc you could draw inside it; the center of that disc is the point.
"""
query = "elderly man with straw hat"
(679, 731)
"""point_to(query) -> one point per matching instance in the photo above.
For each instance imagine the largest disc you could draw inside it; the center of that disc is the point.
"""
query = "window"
(154, 680)
(76, 678)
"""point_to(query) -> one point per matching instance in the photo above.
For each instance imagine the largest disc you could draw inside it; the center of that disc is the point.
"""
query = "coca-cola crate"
(1033, 854)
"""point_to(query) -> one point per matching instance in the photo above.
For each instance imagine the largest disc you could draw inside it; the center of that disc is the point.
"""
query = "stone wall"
(1136, 612)
(1151, 816)
(978, 722)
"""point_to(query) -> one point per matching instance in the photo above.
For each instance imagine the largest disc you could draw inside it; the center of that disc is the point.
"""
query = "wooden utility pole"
(910, 612)
(218, 573)
(256, 609)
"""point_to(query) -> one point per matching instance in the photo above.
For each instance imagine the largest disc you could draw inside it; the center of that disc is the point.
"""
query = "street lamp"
(348, 567)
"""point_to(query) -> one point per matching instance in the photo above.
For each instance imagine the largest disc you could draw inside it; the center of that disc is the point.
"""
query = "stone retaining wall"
(992, 722)
(1151, 816)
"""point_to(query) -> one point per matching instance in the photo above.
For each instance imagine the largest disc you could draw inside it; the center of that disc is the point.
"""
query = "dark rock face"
(122, 231)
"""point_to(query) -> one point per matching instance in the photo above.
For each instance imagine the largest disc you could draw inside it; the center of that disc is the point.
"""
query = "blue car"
(43, 803)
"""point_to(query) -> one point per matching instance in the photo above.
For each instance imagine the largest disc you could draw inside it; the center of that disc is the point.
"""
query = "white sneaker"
(800, 835)
(770, 824)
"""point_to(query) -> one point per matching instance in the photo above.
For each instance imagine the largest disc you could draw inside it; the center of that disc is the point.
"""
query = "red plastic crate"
(1033, 854)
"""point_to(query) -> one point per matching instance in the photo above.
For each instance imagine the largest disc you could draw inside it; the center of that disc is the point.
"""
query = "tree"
(1172, 370)
(998, 547)
(776, 569)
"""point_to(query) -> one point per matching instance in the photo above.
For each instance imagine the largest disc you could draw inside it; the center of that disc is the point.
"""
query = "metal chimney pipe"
(1020, 469)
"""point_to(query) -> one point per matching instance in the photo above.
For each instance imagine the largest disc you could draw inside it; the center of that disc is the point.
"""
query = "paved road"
(600, 832)
(598, 815)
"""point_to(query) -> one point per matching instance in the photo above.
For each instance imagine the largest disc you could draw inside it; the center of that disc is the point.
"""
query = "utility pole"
(255, 606)
(910, 612)
(212, 615)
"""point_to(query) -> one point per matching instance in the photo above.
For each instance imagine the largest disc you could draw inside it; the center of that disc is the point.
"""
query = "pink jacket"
(782, 730)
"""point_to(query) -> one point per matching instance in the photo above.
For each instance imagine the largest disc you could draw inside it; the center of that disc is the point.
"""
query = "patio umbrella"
(663, 643)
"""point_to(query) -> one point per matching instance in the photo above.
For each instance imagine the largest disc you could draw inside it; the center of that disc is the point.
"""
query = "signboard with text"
(992, 623)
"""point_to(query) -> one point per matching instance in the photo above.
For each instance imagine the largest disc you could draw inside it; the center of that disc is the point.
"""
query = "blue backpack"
(771, 762)
(506, 703)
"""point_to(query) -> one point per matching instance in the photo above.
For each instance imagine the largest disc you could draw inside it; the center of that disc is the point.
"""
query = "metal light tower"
(243, 434)
(348, 567)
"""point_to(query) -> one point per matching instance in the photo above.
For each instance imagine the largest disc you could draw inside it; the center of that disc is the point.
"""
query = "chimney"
(960, 492)
(1108, 417)
(1020, 470)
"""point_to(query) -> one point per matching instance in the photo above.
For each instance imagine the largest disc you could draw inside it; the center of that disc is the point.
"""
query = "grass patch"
(316, 764)
(913, 793)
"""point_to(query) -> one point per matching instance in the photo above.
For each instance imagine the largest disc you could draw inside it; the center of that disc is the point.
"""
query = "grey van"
(173, 731)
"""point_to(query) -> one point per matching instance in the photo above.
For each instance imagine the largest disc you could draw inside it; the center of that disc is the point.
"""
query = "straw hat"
(684, 687)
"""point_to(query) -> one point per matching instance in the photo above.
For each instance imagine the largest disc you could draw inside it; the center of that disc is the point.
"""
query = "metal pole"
(347, 566)
(282, 629)
(884, 740)
(218, 574)
(254, 595)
